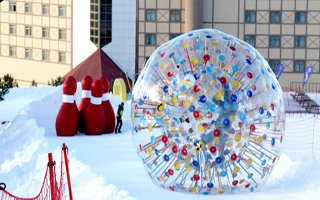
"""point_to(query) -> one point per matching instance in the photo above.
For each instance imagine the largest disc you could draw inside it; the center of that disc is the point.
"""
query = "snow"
(107, 166)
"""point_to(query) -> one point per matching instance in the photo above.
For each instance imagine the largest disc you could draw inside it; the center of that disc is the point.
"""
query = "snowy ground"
(107, 167)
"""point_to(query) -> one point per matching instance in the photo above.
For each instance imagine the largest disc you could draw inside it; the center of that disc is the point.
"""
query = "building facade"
(283, 31)
(37, 39)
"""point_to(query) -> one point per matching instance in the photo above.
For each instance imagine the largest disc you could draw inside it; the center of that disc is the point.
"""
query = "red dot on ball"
(171, 172)
(249, 74)
(213, 149)
(234, 157)
(206, 57)
(223, 80)
(184, 152)
(216, 132)
(174, 149)
(196, 177)
(196, 114)
(252, 127)
(235, 182)
(164, 139)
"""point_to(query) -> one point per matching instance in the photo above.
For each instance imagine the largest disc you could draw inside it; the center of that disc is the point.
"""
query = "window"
(273, 64)
(12, 7)
(175, 15)
(62, 34)
(151, 15)
(12, 51)
(28, 53)
(12, 29)
(45, 9)
(62, 11)
(173, 35)
(250, 39)
(28, 8)
(300, 41)
(45, 32)
(274, 41)
(28, 30)
(250, 16)
(299, 66)
(45, 55)
(275, 17)
(62, 57)
(301, 17)
(150, 39)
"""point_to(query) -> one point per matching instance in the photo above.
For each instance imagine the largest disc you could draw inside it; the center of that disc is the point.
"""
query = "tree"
(6, 82)
(56, 82)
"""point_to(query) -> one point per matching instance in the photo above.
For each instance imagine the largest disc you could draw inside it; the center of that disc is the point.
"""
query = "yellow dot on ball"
(215, 43)
(176, 165)
(237, 137)
(236, 169)
(150, 128)
(260, 139)
(218, 96)
(193, 189)
(163, 66)
(200, 128)
(212, 82)
(186, 103)
(174, 100)
(185, 45)
(188, 168)
(194, 61)
(249, 161)
(229, 144)
(149, 151)
(235, 84)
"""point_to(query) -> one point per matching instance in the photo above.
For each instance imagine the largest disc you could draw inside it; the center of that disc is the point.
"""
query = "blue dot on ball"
(261, 110)
(191, 108)
(226, 122)
(166, 89)
(219, 160)
(233, 97)
(210, 185)
(203, 98)
(195, 163)
(172, 55)
(166, 157)
(249, 93)
(226, 86)
(197, 76)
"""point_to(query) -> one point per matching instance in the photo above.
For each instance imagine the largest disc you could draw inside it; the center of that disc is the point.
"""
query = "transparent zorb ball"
(208, 115)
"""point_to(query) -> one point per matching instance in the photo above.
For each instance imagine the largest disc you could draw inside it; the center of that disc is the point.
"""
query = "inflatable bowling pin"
(67, 118)
(94, 115)
(86, 83)
(110, 119)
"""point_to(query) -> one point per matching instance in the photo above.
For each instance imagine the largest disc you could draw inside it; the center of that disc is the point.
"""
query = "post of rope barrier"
(66, 161)
(51, 164)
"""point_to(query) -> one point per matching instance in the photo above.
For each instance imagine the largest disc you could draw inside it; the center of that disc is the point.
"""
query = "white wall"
(122, 48)
(82, 46)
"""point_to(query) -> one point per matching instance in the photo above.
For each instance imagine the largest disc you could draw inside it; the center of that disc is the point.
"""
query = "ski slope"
(107, 166)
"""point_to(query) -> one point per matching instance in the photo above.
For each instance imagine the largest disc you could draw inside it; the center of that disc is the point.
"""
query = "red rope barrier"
(50, 189)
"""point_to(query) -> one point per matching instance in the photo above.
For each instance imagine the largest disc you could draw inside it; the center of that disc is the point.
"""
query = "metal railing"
(309, 87)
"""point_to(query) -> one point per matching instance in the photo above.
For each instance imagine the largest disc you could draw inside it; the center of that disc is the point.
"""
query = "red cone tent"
(96, 65)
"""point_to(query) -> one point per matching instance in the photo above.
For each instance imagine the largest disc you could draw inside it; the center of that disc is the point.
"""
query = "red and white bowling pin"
(110, 119)
(86, 83)
(94, 115)
(67, 118)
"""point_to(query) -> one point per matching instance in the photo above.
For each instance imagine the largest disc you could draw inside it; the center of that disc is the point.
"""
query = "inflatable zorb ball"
(208, 115)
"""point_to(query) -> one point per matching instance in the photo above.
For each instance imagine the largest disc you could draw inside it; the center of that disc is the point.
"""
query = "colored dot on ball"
(210, 185)
(233, 98)
(235, 182)
(203, 98)
(196, 88)
(166, 157)
(164, 139)
(166, 89)
(252, 127)
(174, 149)
(206, 57)
(197, 76)
(170, 172)
(170, 73)
(196, 114)
(261, 110)
(213, 149)
(184, 152)
(226, 122)
(216, 132)
(223, 80)
(273, 141)
(249, 93)
(195, 163)
(249, 74)
(196, 177)
(234, 157)
(218, 160)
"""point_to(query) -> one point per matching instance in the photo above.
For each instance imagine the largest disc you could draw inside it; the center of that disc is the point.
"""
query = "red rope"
(45, 191)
